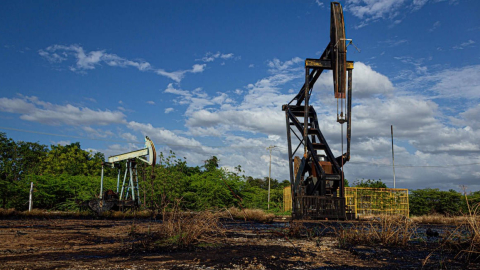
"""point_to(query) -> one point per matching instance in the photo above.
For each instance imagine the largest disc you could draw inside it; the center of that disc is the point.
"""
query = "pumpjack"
(128, 194)
(317, 179)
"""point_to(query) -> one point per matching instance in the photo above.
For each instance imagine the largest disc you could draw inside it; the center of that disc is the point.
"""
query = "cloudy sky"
(206, 78)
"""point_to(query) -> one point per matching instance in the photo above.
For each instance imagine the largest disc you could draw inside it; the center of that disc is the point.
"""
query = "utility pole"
(393, 157)
(270, 148)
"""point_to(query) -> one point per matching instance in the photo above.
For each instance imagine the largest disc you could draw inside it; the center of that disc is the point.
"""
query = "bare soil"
(120, 244)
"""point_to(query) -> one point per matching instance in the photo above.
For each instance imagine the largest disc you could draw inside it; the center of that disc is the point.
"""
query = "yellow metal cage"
(377, 201)
(367, 201)
(287, 199)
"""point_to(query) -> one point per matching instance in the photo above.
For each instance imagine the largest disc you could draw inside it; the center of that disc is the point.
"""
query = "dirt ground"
(110, 244)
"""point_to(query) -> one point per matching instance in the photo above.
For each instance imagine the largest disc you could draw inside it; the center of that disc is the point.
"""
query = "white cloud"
(62, 143)
(320, 4)
(373, 9)
(394, 42)
(196, 99)
(207, 131)
(97, 133)
(435, 26)
(263, 99)
(52, 57)
(365, 82)
(151, 102)
(462, 46)
(91, 100)
(277, 66)
(418, 4)
(238, 91)
(180, 74)
(418, 63)
(129, 137)
(465, 81)
(35, 110)
(210, 57)
(89, 60)
(226, 56)
(198, 68)
(169, 110)
(468, 118)
(161, 136)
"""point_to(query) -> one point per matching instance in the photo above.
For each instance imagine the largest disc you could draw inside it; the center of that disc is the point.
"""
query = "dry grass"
(183, 231)
(177, 230)
(7, 212)
(426, 219)
(465, 238)
(249, 214)
(387, 230)
(129, 214)
(472, 232)
(40, 213)
(440, 219)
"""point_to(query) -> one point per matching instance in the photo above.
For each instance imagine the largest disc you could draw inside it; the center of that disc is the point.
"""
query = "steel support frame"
(315, 136)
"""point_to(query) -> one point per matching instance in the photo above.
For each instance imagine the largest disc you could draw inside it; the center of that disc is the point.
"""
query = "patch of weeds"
(387, 230)
(177, 231)
(246, 214)
(465, 238)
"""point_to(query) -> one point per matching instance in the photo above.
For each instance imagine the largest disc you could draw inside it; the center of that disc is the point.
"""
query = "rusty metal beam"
(324, 64)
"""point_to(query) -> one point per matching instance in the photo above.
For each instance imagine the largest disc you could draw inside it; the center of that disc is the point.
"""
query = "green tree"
(211, 164)
(369, 183)
(430, 201)
(72, 160)
(17, 160)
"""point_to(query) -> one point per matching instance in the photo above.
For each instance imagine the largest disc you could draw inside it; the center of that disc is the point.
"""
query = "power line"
(416, 166)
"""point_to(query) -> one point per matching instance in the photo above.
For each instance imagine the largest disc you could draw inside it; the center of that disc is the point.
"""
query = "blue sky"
(207, 78)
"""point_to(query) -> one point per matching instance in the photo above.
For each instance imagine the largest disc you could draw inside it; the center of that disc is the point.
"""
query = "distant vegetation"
(64, 175)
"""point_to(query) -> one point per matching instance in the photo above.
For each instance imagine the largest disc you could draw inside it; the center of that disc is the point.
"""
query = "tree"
(430, 201)
(370, 183)
(211, 163)
(72, 160)
(17, 160)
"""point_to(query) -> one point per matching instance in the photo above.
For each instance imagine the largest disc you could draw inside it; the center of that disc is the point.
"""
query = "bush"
(433, 201)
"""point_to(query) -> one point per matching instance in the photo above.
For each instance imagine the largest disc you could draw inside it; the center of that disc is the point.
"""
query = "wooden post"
(30, 201)
(393, 157)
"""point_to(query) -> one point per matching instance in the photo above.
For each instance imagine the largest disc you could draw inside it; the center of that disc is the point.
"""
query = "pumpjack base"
(110, 201)
(319, 207)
